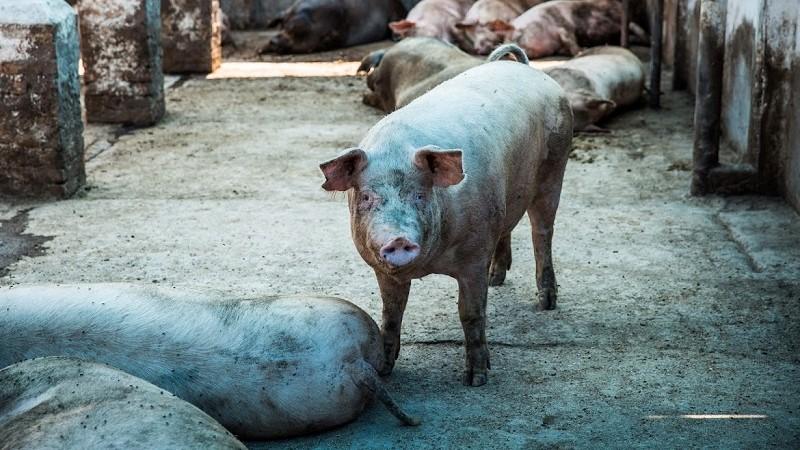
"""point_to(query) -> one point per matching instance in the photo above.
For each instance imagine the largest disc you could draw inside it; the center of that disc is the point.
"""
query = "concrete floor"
(669, 305)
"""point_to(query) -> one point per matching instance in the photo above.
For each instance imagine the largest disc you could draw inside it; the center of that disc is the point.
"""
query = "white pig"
(65, 403)
(598, 81)
(264, 368)
(438, 185)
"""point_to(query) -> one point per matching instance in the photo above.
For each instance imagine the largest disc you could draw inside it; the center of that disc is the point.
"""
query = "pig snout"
(399, 251)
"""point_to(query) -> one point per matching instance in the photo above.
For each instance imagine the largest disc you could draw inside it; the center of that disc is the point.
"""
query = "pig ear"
(341, 172)
(500, 26)
(606, 106)
(402, 27)
(444, 166)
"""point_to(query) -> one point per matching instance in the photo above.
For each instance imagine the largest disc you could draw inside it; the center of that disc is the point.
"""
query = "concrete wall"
(760, 120)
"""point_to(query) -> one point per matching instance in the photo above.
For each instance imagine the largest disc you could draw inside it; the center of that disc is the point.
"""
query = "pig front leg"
(395, 296)
(472, 291)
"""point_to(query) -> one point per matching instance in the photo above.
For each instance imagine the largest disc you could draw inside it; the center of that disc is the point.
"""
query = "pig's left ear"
(444, 166)
(341, 172)
(402, 27)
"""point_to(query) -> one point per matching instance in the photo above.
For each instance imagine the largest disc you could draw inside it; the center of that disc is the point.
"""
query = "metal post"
(657, 23)
(708, 90)
(624, 25)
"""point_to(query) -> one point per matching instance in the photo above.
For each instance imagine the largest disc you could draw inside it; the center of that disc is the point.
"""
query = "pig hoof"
(474, 379)
(497, 278)
(547, 300)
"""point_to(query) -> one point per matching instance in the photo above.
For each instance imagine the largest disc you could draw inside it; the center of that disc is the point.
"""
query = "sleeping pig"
(473, 32)
(598, 81)
(56, 402)
(264, 368)
(316, 25)
(562, 27)
(413, 67)
(431, 18)
(438, 185)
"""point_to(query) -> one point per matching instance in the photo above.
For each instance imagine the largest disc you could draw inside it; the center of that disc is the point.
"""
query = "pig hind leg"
(542, 214)
(501, 261)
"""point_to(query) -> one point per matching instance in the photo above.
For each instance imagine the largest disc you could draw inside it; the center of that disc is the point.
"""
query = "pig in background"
(264, 368)
(65, 403)
(431, 18)
(438, 185)
(410, 68)
(563, 27)
(316, 25)
(598, 81)
(474, 32)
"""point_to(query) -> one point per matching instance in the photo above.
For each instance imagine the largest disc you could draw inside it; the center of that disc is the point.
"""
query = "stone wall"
(41, 132)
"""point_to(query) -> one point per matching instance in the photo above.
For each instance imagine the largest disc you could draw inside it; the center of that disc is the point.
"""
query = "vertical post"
(623, 26)
(41, 132)
(190, 35)
(121, 49)
(708, 99)
(656, 26)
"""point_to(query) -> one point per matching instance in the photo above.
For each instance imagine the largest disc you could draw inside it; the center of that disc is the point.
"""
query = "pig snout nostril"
(399, 251)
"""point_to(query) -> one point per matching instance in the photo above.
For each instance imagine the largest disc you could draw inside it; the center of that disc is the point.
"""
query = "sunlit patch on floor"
(238, 69)
(709, 416)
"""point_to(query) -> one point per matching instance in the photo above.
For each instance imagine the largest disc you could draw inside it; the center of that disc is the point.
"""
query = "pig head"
(396, 219)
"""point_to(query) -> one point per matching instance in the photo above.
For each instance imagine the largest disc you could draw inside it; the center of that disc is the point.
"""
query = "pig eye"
(366, 200)
(420, 197)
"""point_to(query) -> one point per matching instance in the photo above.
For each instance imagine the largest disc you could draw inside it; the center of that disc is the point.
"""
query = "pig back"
(615, 73)
(54, 403)
(500, 114)
(262, 367)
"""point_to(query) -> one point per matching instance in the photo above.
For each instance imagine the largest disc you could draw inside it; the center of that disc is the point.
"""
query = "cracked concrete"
(660, 315)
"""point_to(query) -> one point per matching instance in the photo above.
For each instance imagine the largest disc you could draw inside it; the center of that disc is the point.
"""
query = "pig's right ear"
(402, 27)
(341, 172)
(444, 166)
(501, 27)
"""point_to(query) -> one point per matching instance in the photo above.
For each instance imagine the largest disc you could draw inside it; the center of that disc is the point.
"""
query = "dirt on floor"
(679, 318)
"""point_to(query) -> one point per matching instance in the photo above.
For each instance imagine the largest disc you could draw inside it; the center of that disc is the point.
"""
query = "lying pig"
(562, 27)
(264, 368)
(316, 25)
(67, 403)
(409, 69)
(474, 34)
(598, 81)
(431, 18)
(438, 185)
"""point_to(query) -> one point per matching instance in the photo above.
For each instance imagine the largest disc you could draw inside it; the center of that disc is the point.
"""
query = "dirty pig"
(437, 186)
(264, 368)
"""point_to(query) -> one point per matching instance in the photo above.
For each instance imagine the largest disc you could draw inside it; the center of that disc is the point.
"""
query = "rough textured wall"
(121, 50)
(686, 35)
(779, 160)
(190, 35)
(41, 132)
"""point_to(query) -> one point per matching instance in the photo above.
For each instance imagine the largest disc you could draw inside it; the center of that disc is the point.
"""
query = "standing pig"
(598, 81)
(264, 368)
(438, 185)
(55, 403)
(432, 18)
(562, 27)
(316, 25)
(474, 33)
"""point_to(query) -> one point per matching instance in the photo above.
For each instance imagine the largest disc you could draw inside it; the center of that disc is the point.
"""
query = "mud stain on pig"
(15, 244)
